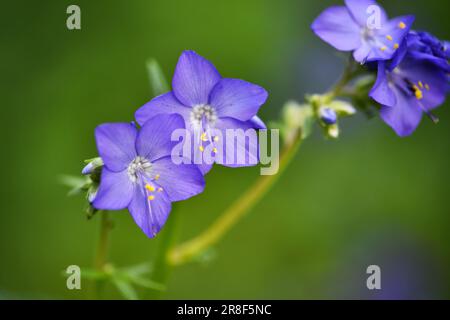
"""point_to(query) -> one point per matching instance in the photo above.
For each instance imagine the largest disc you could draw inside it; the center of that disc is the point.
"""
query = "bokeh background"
(368, 198)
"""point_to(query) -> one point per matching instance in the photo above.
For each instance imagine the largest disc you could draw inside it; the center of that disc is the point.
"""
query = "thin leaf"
(75, 183)
(157, 79)
(138, 270)
(146, 283)
(125, 288)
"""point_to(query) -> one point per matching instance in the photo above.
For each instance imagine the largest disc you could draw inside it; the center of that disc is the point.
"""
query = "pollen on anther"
(418, 93)
(215, 150)
(427, 86)
(151, 198)
(396, 46)
(149, 187)
(389, 37)
(420, 84)
(402, 25)
(201, 148)
(203, 137)
(216, 138)
(157, 177)
(383, 48)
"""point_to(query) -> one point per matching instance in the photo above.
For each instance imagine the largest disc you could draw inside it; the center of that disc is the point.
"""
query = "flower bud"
(333, 131)
(328, 116)
(297, 117)
(342, 108)
(92, 166)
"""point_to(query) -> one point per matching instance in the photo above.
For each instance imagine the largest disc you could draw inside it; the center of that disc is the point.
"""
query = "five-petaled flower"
(347, 29)
(139, 174)
(208, 102)
(406, 88)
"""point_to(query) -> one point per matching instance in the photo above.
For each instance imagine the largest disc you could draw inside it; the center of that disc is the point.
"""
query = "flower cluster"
(412, 67)
(137, 170)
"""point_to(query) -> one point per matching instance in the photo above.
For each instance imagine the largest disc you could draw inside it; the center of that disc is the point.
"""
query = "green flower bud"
(342, 108)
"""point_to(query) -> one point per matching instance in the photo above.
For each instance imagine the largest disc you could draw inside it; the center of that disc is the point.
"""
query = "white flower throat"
(203, 114)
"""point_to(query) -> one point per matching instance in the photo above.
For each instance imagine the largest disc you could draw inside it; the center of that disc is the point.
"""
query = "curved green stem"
(191, 248)
(234, 213)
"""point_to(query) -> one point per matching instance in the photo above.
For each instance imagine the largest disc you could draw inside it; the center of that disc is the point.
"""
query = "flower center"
(139, 165)
(203, 114)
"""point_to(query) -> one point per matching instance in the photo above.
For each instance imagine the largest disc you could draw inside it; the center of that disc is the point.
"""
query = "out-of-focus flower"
(423, 45)
(206, 101)
(354, 28)
(139, 174)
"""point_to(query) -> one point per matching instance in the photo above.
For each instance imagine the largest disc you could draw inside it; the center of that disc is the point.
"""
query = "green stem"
(235, 212)
(350, 72)
(101, 255)
(167, 240)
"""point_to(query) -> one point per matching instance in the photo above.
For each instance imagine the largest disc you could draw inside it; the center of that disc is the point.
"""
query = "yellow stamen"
(160, 189)
(201, 148)
(151, 198)
(396, 46)
(402, 25)
(427, 86)
(157, 177)
(149, 187)
(420, 84)
(389, 37)
(216, 138)
(215, 150)
(418, 93)
(203, 137)
(383, 48)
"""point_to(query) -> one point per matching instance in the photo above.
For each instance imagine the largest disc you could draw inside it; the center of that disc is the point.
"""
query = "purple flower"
(208, 102)
(139, 174)
(354, 28)
(406, 88)
(423, 45)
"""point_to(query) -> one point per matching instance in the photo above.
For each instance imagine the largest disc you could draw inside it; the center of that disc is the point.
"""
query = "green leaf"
(138, 269)
(146, 283)
(125, 288)
(157, 79)
(75, 183)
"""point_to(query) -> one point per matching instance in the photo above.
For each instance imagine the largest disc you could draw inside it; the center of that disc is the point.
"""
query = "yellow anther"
(215, 150)
(157, 177)
(420, 84)
(402, 25)
(396, 46)
(418, 93)
(149, 187)
(427, 86)
(203, 137)
(201, 148)
(160, 189)
(151, 198)
(383, 48)
(216, 138)
(389, 37)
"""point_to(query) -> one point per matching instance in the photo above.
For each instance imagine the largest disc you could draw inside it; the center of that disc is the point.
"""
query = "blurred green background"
(368, 198)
